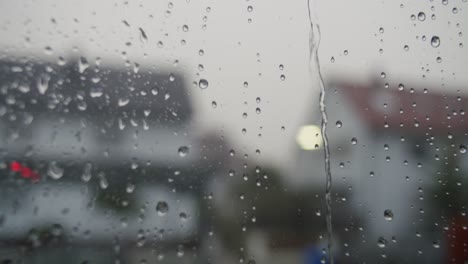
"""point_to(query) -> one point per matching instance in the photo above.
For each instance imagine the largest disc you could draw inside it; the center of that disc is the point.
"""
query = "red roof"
(418, 111)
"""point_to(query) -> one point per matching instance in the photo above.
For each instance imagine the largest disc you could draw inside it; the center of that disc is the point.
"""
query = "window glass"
(233, 131)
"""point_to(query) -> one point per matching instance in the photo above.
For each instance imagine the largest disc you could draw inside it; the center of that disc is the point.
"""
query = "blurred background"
(189, 132)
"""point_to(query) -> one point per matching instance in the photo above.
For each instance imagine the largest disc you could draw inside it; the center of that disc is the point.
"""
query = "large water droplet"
(203, 83)
(86, 176)
(421, 16)
(82, 64)
(435, 41)
(123, 101)
(183, 151)
(43, 83)
(54, 171)
(462, 149)
(388, 215)
(381, 242)
(103, 183)
(143, 36)
(162, 208)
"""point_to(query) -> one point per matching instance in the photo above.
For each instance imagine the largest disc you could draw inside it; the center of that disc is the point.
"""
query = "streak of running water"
(314, 43)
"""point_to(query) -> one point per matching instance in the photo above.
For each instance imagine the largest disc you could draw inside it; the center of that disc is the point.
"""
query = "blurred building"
(95, 155)
(388, 148)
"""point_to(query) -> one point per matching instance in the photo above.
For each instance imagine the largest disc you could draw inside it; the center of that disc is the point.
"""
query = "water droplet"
(203, 83)
(54, 171)
(82, 64)
(281, 67)
(57, 230)
(439, 59)
(143, 36)
(332, 59)
(95, 92)
(185, 28)
(183, 151)
(436, 244)
(250, 8)
(339, 124)
(43, 83)
(103, 183)
(130, 187)
(162, 208)
(123, 101)
(155, 91)
(48, 50)
(381, 30)
(388, 215)
(24, 88)
(282, 77)
(381, 242)
(435, 41)
(171, 77)
(86, 176)
(354, 141)
(421, 16)
(214, 104)
(462, 149)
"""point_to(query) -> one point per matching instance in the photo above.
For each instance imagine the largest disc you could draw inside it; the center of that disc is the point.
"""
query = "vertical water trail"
(314, 42)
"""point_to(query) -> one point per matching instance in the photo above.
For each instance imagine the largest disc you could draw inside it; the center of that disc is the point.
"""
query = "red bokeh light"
(24, 171)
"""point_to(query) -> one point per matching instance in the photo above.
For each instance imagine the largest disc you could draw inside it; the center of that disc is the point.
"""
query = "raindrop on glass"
(143, 36)
(162, 208)
(388, 215)
(86, 176)
(381, 242)
(54, 171)
(462, 149)
(183, 151)
(421, 16)
(203, 83)
(435, 41)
